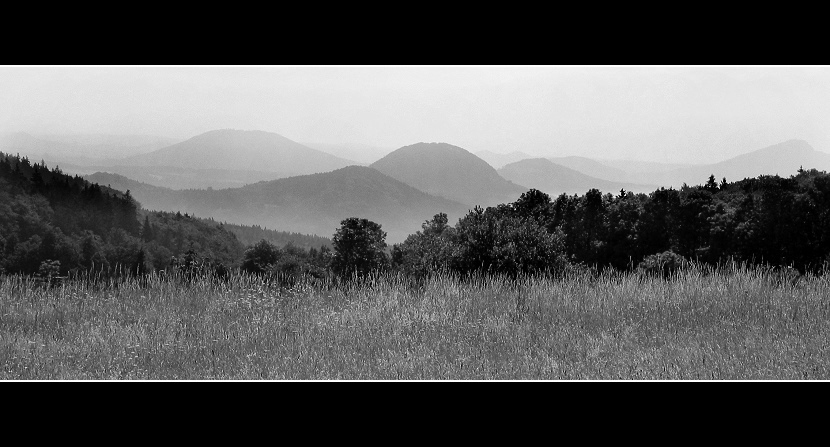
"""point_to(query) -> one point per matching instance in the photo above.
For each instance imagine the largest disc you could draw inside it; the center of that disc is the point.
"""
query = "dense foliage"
(359, 248)
(173, 236)
(509, 239)
(73, 225)
(765, 220)
(663, 264)
(289, 261)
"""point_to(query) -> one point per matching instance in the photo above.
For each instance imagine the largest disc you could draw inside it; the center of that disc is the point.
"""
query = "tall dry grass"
(729, 323)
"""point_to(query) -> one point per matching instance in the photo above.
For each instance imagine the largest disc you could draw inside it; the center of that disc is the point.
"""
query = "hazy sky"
(693, 114)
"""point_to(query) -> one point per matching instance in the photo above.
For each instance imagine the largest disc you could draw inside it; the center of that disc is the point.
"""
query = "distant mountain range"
(449, 171)
(314, 203)
(592, 168)
(554, 179)
(783, 159)
(499, 160)
(177, 178)
(362, 154)
(243, 150)
(636, 167)
(80, 149)
(218, 159)
(262, 178)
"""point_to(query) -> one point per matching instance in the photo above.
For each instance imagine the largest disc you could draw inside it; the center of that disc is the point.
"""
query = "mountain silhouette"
(449, 171)
(554, 179)
(309, 204)
(176, 177)
(783, 159)
(241, 150)
(499, 160)
(80, 148)
(592, 168)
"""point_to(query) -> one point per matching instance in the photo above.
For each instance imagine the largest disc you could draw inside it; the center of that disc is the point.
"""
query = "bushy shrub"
(499, 240)
(359, 248)
(261, 257)
(426, 251)
(781, 276)
(581, 271)
(662, 264)
(49, 269)
(288, 263)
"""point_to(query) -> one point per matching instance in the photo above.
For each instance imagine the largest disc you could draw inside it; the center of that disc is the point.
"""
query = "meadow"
(734, 322)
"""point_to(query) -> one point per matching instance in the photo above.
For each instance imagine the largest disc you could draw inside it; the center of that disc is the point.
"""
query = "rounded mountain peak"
(448, 171)
(252, 150)
(447, 156)
(431, 147)
(242, 136)
(794, 145)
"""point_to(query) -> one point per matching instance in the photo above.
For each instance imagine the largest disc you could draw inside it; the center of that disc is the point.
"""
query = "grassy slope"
(736, 325)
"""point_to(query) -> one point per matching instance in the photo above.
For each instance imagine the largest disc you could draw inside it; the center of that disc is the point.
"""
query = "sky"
(682, 114)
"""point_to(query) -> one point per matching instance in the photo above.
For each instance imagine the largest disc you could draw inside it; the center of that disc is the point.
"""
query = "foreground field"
(735, 323)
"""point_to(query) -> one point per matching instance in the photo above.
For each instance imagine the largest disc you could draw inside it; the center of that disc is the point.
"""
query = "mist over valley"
(231, 175)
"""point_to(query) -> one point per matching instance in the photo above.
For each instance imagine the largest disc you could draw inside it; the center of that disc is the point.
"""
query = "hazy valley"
(555, 179)
(313, 204)
(262, 178)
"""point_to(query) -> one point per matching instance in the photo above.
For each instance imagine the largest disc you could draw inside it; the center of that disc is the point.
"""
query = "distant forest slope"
(165, 199)
(251, 234)
(177, 178)
(167, 236)
(309, 204)
(554, 179)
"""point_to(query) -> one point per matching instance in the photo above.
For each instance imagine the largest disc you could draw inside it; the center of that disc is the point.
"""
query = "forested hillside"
(51, 222)
(313, 203)
(250, 235)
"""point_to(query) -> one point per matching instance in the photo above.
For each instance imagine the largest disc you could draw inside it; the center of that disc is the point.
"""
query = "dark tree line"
(56, 223)
(250, 235)
(765, 220)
